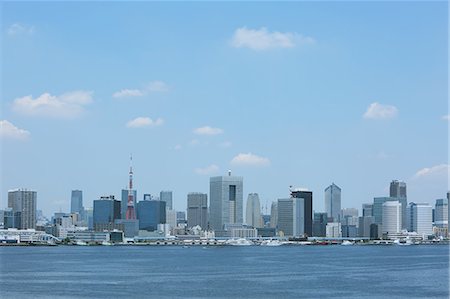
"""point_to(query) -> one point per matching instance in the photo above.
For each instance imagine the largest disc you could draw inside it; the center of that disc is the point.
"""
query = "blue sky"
(301, 94)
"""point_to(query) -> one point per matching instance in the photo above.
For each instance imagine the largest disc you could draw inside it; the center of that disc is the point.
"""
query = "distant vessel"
(403, 242)
(271, 243)
(239, 242)
(346, 243)
(81, 243)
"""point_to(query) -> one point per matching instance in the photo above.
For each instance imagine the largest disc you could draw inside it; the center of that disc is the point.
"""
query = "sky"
(284, 94)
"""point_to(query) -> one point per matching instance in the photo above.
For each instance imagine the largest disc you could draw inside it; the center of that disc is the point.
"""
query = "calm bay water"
(225, 272)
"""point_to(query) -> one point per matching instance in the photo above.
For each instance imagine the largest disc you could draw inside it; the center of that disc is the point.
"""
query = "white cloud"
(250, 159)
(141, 122)
(379, 111)
(211, 169)
(446, 117)
(18, 28)
(207, 130)
(128, 93)
(8, 130)
(262, 39)
(154, 86)
(68, 105)
(438, 170)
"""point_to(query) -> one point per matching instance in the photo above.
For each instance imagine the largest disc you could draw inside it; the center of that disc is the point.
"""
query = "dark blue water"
(225, 272)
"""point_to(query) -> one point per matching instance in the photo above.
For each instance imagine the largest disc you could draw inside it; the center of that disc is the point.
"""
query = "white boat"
(346, 243)
(403, 242)
(106, 243)
(239, 242)
(81, 243)
(271, 243)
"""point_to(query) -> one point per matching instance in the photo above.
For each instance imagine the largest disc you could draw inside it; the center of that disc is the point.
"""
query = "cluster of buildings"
(222, 216)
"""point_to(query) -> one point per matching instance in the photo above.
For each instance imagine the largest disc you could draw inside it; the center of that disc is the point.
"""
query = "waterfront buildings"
(307, 214)
(333, 230)
(419, 217)
(23, 205)
(295, 214)
(364, 226)
(150, 213)
(226, 201)
(441, 213)
(333, 202)
(285, 216)
(367, 209)
(397, 190)
(320, 224)
(197, 210)
(392, 217)
(253, 211)
(106, 212)
(274, 214)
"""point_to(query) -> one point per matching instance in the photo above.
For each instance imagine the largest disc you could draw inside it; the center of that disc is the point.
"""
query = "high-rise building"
(367, 209)
(150, 213)
(441, 213)
(76, 202)
(226, 201)
(378, 209)
(274, 214)
(392, 217)
(307, 215)
(167, 197)
(364, 226)
(320, 224)
(24, 202)
(181, 217)
(420, 218)
(124, 201)
(397, 189)
(253, 212)
(285, 216)
(197, 210)
(333, 202)
(106, 212)
(333, 230)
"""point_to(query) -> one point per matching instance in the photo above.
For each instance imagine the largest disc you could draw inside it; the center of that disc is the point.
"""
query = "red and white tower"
(131, 214)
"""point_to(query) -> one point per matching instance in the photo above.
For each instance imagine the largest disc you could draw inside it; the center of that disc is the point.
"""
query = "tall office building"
(320, 224)
(333, 202)
(307, 215)
(285, 216)
(106, 212)
(197, 210)
(124, 202)
(253, 212)
(150, 213)
(420, 218)
(167, 197)
(367, 209)
(392, 217)
(397, 189)
(274, 214)
(365, 223)
(76, 202)
(378, 209)
(441, 213)
(226, 201)
(24, 202)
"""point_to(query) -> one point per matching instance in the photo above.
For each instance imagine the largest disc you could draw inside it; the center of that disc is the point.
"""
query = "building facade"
(197, 210)
(150, 213)
(76, 202)
(441, 213)
(253, 211)
(333, 202)
(106, 211)
(167, 197)
(23, 204)
(226, 201)
(420, 218)
(392, 217)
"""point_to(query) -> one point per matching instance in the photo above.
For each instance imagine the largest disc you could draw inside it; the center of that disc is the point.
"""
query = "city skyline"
(274, 94)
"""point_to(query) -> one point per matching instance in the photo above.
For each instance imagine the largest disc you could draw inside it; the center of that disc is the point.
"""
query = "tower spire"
(130, 204)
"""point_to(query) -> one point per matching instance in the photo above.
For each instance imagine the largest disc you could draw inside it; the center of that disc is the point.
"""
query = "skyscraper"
(76, 202)
(197, 210)
(151, 213)
(226, 201)
(253, 211)
(106, 211)
(274, 214)
(392, 217)
(333, 202)
(167, 197)
(285, 216)
(419, 218)
(367, 209)
(441, 213)
(307, 197)
(23, 204)
(397, 189)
